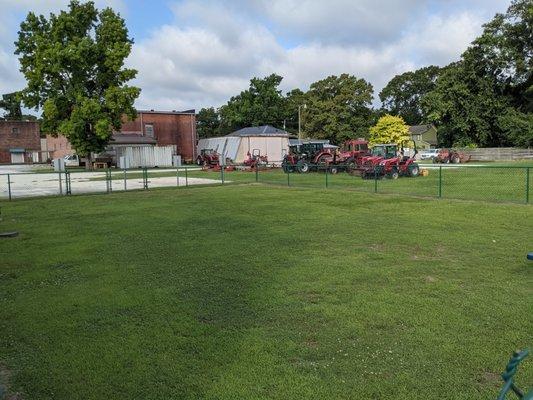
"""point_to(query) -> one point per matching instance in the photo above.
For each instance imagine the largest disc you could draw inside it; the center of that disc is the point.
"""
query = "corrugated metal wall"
(147, 156)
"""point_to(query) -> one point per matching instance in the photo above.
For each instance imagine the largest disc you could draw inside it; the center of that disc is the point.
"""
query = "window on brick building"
(149, 130)
(15, 131)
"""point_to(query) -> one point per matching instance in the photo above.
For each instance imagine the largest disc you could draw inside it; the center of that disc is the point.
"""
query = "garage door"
(17, 158)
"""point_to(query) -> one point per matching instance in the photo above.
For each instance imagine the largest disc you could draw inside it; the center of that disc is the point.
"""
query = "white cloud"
(212, 48)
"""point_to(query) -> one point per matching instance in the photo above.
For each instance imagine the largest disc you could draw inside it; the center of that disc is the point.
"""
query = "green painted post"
(440, 181)
(257, 172)
(527, 185)
(288, 177)
(108, 172)
(375, 181)
(178, 176)
(9, 186)
(326, 177)
(222, 174)
(125, 179)
(186, 177)
(60, 184)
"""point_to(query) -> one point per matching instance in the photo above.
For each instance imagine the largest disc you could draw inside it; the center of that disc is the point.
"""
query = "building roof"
(121, 138)
(265, 130)
(193, 112)
(420, 129)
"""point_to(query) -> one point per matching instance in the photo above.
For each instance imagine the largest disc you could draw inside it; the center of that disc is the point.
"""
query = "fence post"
(178, 176)
(186, 177)
(60, 184)
(9, 186)
(145, 178)
(222, 174)
(326, 176)
(440, 181)
(68, 186)
(375, 180)
(288, 177)
(257, 172)
(125, 179)
(527, 185)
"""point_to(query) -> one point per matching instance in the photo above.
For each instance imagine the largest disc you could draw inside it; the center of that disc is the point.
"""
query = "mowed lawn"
(259, 292)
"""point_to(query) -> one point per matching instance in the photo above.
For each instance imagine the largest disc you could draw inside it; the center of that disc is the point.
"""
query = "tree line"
(483, 99)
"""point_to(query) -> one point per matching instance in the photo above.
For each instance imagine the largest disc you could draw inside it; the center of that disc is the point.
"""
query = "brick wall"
(58, 147)
(170, 128)
(18, 135)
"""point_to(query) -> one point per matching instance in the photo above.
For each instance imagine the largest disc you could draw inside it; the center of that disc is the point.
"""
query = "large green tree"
(10, 102)
(207, 123)
(338, 108)
(73, 63)
(486, 97)
(402, 95)
(261, 104)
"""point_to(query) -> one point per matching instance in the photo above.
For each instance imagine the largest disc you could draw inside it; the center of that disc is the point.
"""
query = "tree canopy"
(486, 97)
(339, 108)
(261, 104)
(390, 129)
(402, 95)
(73, 64)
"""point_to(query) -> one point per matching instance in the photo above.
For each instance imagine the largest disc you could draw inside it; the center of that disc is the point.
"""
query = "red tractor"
(446, 156)
(304, 157)
(208, 158)
(387, 161)
(255, 159)
(348, 157)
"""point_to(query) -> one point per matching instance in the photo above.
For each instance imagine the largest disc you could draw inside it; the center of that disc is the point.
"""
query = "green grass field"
(260, 292)
(487, 184)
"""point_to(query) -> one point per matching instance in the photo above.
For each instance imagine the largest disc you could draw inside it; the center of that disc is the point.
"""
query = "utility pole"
(300, 119)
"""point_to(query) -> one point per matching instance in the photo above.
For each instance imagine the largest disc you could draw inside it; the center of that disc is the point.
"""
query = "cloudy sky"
(197, 53)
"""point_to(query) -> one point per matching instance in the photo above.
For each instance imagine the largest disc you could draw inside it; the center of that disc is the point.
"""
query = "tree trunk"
(89, 161)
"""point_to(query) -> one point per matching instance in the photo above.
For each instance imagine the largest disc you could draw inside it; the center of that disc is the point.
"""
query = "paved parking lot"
(24, 182)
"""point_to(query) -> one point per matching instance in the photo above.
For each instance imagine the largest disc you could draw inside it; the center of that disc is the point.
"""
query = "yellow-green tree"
(390, 129)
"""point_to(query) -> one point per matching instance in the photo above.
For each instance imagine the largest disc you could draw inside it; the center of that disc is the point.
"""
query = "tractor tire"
(351, 165)
(393, 174)
(333, 170)
(414, 171)
(455, 160)
(303, 167)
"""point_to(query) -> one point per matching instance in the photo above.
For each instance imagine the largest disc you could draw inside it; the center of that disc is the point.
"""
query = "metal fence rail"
(484, 183)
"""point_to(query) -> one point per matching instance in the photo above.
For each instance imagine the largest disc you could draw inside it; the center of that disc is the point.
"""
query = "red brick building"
(150, 128)
(19, 142)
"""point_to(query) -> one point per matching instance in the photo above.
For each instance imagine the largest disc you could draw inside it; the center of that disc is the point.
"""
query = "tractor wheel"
(303, 167)
(414, 171)
(393, 174)
(333, 170)
(456, 160)
(351, 165)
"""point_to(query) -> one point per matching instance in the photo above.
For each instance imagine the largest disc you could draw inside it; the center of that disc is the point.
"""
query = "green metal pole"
(257, 172)
(527, 185)
(186, 177)
(9, 186)
(288, 177)
(440, 181)
(60, 184)
(125, 179)
(222, 174)
(375, 181)
(110, 181)
(326, 176)
(177, 176)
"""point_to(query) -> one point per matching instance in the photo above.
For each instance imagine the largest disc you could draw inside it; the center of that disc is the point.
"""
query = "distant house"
(19, 142)
(425, 136)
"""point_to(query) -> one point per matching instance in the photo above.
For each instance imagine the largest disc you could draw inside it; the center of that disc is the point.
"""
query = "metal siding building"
(270, 141)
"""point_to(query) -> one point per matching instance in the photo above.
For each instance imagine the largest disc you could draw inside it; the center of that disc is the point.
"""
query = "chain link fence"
(467, 182)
